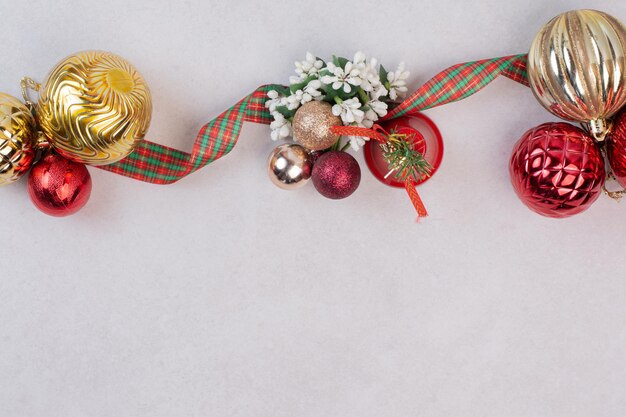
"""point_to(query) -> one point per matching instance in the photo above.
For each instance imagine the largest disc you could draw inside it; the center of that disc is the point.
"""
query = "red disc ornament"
(557, 170)
(59, 187)
(617, 149)
(427, 139)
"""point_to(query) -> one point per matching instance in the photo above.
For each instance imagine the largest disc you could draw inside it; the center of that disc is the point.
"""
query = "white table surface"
(225, 296)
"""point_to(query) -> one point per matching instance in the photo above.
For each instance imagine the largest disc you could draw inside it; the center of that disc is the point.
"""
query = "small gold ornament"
(94, 107)
(577, 67)
(17, 139)
(289, 166)
(312, 123)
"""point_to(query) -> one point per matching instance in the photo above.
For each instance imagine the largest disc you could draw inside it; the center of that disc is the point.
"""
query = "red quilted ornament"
(557, 170)
(617, 149)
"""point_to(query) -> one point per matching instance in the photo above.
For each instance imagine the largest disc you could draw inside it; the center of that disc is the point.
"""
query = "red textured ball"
(59, 187)
(336, 175)
(557, 170)
(617, 148)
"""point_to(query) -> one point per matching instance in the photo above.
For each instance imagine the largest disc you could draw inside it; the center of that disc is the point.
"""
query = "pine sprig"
(400, 153)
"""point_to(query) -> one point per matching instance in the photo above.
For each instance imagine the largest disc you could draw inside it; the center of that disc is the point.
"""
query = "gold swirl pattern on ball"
(17, 139)
(94, 108)
(577, 67)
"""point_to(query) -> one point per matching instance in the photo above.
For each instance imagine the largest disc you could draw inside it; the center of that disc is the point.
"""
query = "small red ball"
(557, 170)
(336, 175)
(617, 148)
(59, 187)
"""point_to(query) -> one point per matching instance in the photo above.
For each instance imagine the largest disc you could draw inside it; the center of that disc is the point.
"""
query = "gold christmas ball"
(289, 166)
(17, 139)
(577, 67)
(312, 123)
(94, 108)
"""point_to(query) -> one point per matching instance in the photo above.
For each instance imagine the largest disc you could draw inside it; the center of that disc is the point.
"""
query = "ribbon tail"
(409, 185)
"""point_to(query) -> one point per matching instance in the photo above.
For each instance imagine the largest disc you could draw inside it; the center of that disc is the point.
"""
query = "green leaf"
(299, 86)
(363, 97)
(330, 94)
(353, 93)
(382, 72)
(285, 112)
(404, 159)
(282, 90)
(324, 72)
(340, 61)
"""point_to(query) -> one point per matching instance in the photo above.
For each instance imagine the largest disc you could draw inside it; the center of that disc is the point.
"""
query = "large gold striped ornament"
(577, 68)
(17, 139)
(94, 107)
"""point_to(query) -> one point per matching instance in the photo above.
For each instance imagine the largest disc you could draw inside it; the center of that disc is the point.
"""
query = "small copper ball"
(289, 166)
(312, 123)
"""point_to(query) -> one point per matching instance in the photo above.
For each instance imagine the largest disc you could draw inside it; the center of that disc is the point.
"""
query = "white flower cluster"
(360, 91)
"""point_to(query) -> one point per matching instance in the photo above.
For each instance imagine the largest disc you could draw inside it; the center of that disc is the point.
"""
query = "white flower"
(397, 82)
(281, 127)
(356, 142)
(344, 78)
(373, 111)
(313, 88)
(297, 99)
(275, 100)
(360, 60)
(378, 107)
(301, 97)
(378, 92)
(349, 110)
(371, 76)
(309, 66)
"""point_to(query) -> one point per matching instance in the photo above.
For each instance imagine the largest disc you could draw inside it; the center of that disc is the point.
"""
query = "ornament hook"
(26, 84)
(615, 195)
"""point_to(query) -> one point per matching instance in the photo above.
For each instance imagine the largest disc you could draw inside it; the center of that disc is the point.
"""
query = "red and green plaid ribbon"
(160, 164)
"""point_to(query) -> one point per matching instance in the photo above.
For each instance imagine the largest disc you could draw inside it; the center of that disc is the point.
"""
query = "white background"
(225, 296)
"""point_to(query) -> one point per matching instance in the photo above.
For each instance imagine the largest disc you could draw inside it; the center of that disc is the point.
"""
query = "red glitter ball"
(557, 170)
(59, 187)
(617, 148)
(336, 175)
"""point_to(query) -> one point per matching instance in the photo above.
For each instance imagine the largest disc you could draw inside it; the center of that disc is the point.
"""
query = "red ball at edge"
(617, 148)
(557, 170)
(59, 187)
(336, 175)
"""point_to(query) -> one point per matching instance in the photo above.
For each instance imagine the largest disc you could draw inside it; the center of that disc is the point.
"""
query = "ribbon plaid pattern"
(159, 164)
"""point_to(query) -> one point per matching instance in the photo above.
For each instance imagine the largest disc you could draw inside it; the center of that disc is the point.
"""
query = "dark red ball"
(617, 148)
(59, 187)
(336, 175)
(557, 170)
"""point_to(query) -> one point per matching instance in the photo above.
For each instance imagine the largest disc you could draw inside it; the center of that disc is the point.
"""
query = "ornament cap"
(599, 129)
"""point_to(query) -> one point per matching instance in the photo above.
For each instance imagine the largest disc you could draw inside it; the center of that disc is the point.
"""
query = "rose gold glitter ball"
(312, 123)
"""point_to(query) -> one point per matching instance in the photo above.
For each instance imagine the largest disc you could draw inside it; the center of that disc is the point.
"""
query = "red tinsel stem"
(359, 131)
(415, 198)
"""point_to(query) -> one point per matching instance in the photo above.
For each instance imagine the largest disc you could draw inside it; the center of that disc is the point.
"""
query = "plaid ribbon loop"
(159, 164)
